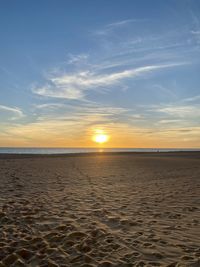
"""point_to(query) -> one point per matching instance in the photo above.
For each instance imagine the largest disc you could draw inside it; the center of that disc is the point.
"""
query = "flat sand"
(125, 209)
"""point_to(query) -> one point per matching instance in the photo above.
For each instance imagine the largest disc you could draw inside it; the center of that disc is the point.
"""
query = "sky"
(127, 68)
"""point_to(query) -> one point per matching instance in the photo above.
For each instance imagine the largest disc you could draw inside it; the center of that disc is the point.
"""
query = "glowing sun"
(100, 138)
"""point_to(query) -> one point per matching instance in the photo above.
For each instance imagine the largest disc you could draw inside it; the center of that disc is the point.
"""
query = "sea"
(48, 151)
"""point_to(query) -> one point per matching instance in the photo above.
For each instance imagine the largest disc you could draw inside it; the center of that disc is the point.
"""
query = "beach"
(101, 209)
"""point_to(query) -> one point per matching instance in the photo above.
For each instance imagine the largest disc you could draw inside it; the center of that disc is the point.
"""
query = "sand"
(135, 209)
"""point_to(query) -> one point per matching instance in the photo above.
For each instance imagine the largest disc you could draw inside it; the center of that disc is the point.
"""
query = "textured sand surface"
(100, 210)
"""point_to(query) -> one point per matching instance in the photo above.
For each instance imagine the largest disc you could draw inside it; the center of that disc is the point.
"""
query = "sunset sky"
(130, 69)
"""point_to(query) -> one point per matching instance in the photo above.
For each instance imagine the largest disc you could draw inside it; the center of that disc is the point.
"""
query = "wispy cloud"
(196, 27)
(49, 106)
(191, 99)
(109, 28)
(121, 23)
(86, 114)
(74, 86)
(196, 35)
(12, 112)
(181, 111)
(77, 59)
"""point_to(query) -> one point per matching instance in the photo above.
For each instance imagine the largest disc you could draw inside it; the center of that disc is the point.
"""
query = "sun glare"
(100, 137)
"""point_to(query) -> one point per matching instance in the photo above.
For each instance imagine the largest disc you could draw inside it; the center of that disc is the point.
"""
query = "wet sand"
(123, 209)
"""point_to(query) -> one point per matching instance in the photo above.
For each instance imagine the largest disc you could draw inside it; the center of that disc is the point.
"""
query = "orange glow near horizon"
(117, 136)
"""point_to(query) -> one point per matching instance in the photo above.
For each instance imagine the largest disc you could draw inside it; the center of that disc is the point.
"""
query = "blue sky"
(130, 68)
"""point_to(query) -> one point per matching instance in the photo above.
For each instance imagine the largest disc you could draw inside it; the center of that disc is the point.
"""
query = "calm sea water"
(84, 150)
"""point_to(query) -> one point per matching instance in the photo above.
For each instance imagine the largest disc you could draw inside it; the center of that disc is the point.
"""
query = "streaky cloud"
(116, 25)
(74, 86)
(15, 111)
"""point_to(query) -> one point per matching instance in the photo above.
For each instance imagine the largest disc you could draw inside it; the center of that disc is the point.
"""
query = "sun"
(100, 137)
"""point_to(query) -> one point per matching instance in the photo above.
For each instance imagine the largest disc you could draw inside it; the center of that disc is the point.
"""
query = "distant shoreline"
(185, 154)
(97, 150)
